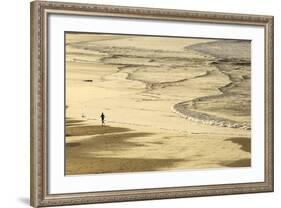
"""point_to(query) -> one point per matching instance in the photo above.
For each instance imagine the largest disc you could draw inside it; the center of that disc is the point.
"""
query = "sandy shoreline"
(136, 88)
(228, 62)
(96, 149)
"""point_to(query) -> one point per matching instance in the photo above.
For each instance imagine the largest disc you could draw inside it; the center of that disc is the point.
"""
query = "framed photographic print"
(139, 103)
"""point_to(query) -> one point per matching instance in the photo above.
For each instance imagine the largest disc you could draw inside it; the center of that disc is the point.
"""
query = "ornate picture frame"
(40, 84)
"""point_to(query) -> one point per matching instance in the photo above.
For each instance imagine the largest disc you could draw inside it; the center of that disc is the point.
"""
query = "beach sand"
(145, 87)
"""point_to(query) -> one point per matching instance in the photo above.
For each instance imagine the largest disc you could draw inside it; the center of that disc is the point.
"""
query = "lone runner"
(102, 119)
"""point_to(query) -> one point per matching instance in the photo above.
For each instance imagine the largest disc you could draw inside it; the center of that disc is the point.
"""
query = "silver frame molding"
(39, 103)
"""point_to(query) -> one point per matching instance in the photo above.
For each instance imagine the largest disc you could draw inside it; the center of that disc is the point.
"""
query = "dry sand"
(137, 81)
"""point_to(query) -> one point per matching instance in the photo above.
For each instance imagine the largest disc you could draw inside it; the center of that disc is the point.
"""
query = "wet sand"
(92, 148)
(137, 82)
